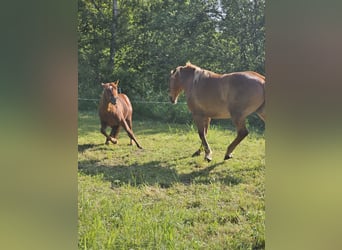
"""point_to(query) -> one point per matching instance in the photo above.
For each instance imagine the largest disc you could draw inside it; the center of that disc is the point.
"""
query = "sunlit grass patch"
(162, 198)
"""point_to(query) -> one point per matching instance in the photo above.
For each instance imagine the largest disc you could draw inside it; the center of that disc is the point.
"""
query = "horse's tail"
(261, 112)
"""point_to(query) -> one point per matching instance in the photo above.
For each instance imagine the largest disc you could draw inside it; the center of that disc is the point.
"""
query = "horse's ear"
(103, 84)
(117, 82)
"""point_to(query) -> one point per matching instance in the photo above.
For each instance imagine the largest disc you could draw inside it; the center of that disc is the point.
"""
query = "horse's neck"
(187, 87)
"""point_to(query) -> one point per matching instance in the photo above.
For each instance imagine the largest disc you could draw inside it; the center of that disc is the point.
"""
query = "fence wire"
(138, 102)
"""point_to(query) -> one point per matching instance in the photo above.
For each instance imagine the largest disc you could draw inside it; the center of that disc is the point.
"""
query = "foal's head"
(174, 85)
(110, 91)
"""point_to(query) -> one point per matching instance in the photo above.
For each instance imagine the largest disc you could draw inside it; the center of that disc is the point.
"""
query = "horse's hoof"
(107, 142)
(208, 158)
(227, 157)
(197, 153)
(114, 140)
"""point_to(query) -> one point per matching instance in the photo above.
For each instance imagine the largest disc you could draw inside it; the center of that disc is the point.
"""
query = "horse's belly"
(215, 113)
(219, 114)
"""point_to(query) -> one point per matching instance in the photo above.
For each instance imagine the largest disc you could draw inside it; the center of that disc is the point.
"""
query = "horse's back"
(246, 92)
(219, 97)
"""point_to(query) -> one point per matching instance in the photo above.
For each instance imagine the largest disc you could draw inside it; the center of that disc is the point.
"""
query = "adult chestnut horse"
(219, 96)
(115, 110)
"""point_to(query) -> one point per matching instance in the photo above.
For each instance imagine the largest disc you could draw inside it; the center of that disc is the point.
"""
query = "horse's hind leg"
(202, 124)
(130, 125)
(261, 112)
(130, 132)
(242, 132)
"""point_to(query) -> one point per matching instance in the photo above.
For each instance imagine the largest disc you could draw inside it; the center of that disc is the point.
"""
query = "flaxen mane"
(198, 73)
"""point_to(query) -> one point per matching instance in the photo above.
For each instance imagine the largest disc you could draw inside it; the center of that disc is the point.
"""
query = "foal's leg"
(114, 133)
(242, 132)
(202, 124)
(108, 137)
(201, 148)
(130, 125)
(130, 132)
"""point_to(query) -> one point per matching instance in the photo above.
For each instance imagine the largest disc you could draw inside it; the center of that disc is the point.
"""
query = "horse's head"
(110, 91)
(175, 86)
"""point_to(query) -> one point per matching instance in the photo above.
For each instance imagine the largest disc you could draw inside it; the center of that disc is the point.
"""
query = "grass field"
(162, 198)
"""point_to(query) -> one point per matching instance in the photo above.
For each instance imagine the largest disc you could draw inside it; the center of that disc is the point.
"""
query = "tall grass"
(162, 198)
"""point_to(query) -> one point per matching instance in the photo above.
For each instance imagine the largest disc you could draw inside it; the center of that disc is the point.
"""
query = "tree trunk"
(112, 41)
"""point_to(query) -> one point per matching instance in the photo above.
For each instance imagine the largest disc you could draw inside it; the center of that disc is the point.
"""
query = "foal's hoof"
(208, 158)
(227, 157)
(197, 153)
(114, 140)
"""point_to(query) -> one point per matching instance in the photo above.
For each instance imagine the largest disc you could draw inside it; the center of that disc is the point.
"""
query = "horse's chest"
(111, 117)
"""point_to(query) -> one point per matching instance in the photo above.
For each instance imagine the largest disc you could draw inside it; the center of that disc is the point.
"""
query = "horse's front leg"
(108, 137)
(202, 124)
(199, 151)
(114, 133)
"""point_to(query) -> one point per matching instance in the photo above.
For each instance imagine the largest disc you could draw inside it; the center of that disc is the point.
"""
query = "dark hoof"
(227, 157)
(197, 153)
(208, 159)
(107, 142)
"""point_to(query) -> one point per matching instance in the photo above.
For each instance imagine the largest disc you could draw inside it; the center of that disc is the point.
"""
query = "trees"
(140, 41)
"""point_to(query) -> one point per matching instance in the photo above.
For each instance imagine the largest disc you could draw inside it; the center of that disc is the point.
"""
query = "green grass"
(162, 198)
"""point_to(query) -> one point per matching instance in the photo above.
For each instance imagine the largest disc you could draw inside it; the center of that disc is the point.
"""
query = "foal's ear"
(116, 83)
(103, 84)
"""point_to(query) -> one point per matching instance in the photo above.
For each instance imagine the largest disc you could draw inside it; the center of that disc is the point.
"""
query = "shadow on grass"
(202, 176)
(161, 173)
(136, 174)
(152, 173)
(84, 147)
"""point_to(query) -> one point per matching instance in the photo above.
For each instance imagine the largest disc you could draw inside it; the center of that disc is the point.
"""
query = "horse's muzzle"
(113, 100)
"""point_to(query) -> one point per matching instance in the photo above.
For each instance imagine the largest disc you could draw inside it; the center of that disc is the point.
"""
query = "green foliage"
(163, 112)
(153, 37)
(162, 198)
